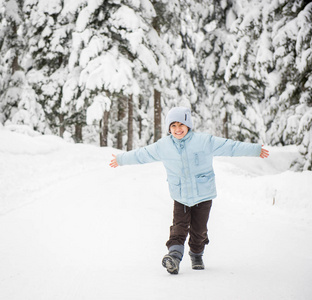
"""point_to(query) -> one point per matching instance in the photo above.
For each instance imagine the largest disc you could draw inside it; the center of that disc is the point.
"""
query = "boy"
(187, 157)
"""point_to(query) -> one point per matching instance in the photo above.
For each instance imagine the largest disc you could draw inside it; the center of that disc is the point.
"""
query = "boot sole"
(198, 267)
(169, 263)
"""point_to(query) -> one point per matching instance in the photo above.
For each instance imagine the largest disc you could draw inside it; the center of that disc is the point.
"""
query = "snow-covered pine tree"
(114, 47)
(279, 92)
(303, 80)
(289, 100)
(180, 29)
(246, 85)
(216, 103)
(18, 101)
(159, 79)
(49, 35)
(230, 87)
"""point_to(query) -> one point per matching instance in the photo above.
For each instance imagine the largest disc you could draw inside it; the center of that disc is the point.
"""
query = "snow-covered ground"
(73, 228)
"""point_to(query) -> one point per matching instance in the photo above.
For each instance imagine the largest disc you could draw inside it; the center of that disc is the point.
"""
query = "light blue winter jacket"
(188, 162)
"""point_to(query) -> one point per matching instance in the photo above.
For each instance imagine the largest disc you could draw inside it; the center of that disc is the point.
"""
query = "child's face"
(178, 130)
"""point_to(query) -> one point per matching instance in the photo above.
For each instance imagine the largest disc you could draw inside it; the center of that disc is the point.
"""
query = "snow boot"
(197, 261)
(171, 262)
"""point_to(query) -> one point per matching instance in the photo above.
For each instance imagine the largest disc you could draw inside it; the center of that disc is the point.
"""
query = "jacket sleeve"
(227, 147)
(142, 155)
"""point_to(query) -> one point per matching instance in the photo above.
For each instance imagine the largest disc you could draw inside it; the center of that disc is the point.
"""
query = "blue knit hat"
(179, 114)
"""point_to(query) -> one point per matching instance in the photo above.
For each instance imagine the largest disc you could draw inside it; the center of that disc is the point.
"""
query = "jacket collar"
(188, 136)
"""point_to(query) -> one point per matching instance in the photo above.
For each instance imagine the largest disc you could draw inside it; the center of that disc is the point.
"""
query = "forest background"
(107, 72)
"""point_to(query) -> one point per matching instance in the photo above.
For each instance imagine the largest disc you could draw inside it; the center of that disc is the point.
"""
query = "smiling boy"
(178, 130)
(187, 157)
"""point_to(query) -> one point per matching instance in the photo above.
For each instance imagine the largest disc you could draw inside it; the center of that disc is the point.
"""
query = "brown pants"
(192, 220)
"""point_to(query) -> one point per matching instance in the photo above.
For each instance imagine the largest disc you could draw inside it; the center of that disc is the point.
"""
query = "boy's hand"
(264, 153)
(114, 162)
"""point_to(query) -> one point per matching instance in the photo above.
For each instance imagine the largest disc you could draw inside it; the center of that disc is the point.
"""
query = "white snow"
(73, 228)
(211, 26)
(96, 109)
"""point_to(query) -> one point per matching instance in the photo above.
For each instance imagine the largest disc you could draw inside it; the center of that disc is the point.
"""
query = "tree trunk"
(226, 125)
(15, 64)
(62, 126)
(140, 117)
(157, 116)
(120, 117)
(130, 123)
(104, 129)
(78, 133)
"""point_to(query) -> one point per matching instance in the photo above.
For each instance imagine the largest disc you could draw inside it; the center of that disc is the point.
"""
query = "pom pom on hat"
(179, 114)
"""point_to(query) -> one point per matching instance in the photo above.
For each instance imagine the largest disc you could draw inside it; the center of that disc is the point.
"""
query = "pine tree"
(179, 24)
(216, 103)
(18, 101)
(113, 48)
(303, 84)
(49, 34)
(244, 83)
(288, 107)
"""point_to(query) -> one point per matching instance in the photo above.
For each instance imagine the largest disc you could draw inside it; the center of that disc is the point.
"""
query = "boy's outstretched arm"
(114, 162)
(264, 153)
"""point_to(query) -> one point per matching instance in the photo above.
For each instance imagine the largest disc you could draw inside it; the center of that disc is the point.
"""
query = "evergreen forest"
(106, 72)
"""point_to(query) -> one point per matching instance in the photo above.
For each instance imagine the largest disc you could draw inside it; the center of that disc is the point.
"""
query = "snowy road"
(72, 228)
